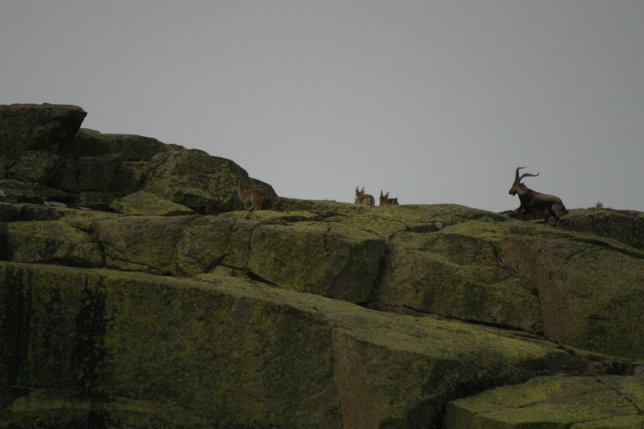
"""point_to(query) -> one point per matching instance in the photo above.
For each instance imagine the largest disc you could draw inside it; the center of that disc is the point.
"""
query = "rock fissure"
(620, 394)
(635, 335)
(633, 253)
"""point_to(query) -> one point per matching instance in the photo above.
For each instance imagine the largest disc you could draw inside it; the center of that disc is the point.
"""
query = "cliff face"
(136, 292)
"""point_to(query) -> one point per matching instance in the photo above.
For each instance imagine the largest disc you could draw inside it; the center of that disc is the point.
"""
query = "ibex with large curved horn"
(532, 200)
(366, 199)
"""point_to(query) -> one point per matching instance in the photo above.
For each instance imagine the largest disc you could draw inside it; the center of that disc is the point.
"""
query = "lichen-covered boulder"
(626, 226)
(33, 193)
(66, 241)
(129, 177)
(325, 259)
(34, 166)
(45, 127)
(588, 289)
(591, 290)
(207, 240)
(90, 143)
(236, 353)
(90, 173)
(388, 219)
(65, 408)
(107, 162)
(457, 275)
(554, 402)
(206, 184)
(146, 204)
(5, 163)
(142, 243)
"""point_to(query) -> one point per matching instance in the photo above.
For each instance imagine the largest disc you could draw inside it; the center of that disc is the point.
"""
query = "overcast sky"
(433, 101)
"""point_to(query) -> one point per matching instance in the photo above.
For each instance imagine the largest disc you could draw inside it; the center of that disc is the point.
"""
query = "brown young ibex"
(366, 199)
(252, 198)
(386, 201)
(531, 200)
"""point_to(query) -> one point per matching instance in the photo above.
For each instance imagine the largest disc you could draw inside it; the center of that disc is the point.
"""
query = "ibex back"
(251, 198)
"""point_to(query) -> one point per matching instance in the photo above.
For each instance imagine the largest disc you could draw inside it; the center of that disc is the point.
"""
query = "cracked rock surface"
(554, 402)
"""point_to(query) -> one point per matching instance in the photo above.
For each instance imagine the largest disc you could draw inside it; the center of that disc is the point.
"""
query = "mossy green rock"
(89, 173)
(90, 143)
(34, 166)
(241, 354)
(64, 408)
(554, 402)
(19, 190)
(45, 127)
(626, 226)
(51, 242)
(184, 310)
(591, 291)
(50, 234)
(147, 204)
(325, 259)
(204, 183)
(142, 243)
(457, 275)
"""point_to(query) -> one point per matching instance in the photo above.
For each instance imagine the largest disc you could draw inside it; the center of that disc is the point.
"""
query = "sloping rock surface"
(554, 402)
(136, 292)
(241, 353)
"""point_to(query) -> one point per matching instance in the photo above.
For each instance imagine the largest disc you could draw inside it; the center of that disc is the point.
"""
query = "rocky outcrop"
(30, 127)
(136, 292)
(625, 226)
(43, 145)
(241, 353)
(570, 402)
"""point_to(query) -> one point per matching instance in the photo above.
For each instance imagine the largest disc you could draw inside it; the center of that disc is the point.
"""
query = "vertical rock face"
(168, 305)
(236, 353)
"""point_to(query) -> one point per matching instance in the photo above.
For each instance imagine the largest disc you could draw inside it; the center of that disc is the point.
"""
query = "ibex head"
(517, 186)
(386, 201)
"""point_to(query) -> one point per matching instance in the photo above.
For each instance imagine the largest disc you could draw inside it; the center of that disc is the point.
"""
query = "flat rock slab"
(554, 402)
(146, 204)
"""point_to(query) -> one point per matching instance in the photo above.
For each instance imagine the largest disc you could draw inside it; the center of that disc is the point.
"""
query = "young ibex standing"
(531, 200)
(386, 201)
(362, 198)
(252, 198)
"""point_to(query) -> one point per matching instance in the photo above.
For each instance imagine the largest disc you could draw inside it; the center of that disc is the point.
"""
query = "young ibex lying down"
(252, 198)
(362, 198)
(531, 200)
(386, 201)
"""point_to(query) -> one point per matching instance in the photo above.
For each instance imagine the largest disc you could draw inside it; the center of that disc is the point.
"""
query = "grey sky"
(434, 101)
